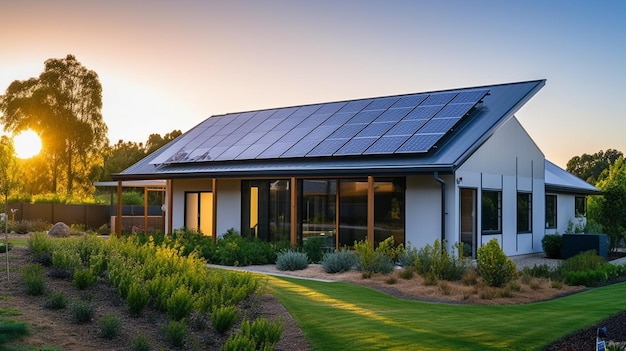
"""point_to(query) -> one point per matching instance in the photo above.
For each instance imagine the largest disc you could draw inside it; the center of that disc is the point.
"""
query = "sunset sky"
(168, 65)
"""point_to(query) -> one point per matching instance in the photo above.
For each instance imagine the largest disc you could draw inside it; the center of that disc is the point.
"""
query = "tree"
(590, 167)
(155, 141)
(64, 106)
(121, 156)
(612, 205)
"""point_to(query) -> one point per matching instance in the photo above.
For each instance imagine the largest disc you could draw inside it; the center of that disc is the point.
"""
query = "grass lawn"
(342, 316)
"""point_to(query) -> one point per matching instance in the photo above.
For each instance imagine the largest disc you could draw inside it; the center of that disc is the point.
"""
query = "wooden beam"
(145, 209)
(337, 193)
(370, 209)
(170, 204)
(118, 222)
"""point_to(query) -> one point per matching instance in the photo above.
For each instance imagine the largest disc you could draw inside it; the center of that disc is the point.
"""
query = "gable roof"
(561, 181)
(410, 133)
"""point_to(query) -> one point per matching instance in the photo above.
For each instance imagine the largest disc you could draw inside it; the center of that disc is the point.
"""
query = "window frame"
(577, 203)
(528, 212)
(555, 216)
(498, 193)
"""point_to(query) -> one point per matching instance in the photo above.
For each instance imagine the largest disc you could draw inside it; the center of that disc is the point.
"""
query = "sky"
(167, 65)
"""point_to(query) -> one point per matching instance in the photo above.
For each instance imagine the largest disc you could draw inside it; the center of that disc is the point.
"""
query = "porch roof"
(396, 139)
(561, 181)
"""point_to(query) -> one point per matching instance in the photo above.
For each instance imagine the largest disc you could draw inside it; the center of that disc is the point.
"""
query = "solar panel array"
(381, 126)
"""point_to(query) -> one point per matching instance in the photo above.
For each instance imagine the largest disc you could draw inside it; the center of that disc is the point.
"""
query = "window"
(265, 209)
(389, 210)
(551, 212)
(199, 212)
(491, 212)
(524, 212)
(580, 205)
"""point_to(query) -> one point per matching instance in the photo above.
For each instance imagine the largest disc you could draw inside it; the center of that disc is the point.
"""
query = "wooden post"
(145, 209)
(118, 222)
(170, 204)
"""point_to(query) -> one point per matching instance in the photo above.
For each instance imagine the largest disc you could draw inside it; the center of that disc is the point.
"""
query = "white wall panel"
(423, 210)
(228, 205)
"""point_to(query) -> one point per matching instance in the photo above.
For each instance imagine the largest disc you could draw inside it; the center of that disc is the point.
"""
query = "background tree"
(590, 167)
(155, 141)
(611, 206)
(10, 175)
(64, 106)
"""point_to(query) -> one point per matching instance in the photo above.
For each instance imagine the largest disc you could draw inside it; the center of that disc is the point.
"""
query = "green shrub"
(373, 261)
(313, 247)
(540, 271)
(588, 260)
(493, 265)
(551, 244)
(56, 301)
(137, 298)
(34, 279)
(291, 260)
(65, 259)
(10, 330)
(264, 333)
(436, 260)
(140, 343)
(338, 261)
(82, 311)
(239, 343)
(408, 256)
(84, 278)
(110, 326)
(224, 318)
(40, 247)
(175, 332)
(406, 273)
(3, 249)
(98, 264)
(180, 304)
(234, 250)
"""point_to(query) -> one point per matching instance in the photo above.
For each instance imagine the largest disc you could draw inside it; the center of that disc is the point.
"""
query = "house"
(453, 164)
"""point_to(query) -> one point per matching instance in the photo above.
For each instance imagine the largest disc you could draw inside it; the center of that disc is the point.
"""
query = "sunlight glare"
(27, 144)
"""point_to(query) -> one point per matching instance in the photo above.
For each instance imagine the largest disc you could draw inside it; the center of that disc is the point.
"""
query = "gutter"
(443, 206)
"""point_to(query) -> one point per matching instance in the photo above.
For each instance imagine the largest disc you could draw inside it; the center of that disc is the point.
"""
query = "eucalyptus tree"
(64, 106)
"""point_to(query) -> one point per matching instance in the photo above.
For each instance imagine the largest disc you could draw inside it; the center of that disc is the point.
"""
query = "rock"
(59, 230)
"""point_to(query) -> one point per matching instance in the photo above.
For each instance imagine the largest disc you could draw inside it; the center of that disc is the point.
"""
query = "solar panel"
(348, 131)
(393, 115)
(328, 147)
(375, 129)
(419, 143)
(410, 101)
(367, 116)
(439, 98)
(406, 127)
(386, 145)
(411, 123)
(439, 125)
(356, 146)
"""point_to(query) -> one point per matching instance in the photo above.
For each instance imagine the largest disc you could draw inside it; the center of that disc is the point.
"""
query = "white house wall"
(180, 186)
(423, 210)
(565, 213)
(228, 205)
(508, 161)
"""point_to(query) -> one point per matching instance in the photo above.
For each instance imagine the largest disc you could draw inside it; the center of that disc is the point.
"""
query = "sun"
(27, 144)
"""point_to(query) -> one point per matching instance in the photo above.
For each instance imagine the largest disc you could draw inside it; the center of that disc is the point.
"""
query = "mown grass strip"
(340, 316)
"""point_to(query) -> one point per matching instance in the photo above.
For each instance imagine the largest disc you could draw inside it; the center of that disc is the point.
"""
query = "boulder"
(60, 230)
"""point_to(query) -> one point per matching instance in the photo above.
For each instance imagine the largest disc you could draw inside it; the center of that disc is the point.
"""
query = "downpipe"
(443, 206)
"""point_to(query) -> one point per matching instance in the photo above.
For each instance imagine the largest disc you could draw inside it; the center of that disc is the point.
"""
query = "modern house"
(453, 164)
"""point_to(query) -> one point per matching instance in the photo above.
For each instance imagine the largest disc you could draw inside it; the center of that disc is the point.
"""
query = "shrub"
(539, 271)
(137, 298)
(140, 343)
(4, 249)
(110, 326)
(82, 311)
(10, 330)
(224, 318)
(65, 259)
(180, 304)
(551, 244)
(40, 246)
(264, 333)
(407, 273)
(84, 278)
(408, 256)
(291, 260)
(437, 261)
(338, 261)
(175, 332)
(588, 260)
(34, 279)
(313, 248)
(493, 265)
(56, 301)
(239, 343)
(370, 260)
